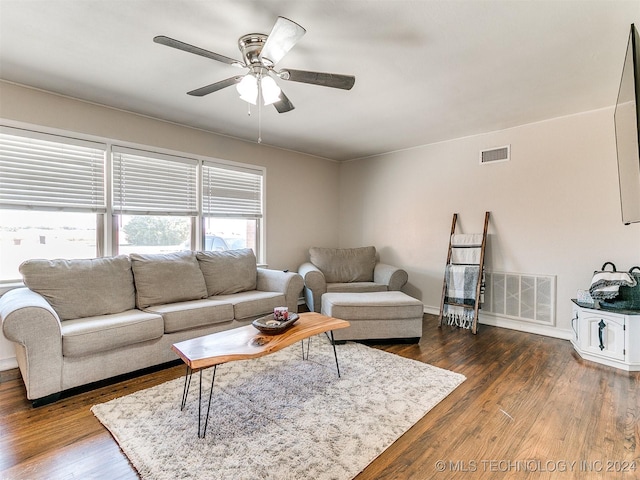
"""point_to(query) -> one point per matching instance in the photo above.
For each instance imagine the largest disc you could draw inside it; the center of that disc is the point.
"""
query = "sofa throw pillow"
(229, 271)
(82, 287)
(342, 265)
(162, 278)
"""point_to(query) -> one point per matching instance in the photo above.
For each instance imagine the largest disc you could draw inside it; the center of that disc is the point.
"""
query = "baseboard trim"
(8, 363)
(487, 319)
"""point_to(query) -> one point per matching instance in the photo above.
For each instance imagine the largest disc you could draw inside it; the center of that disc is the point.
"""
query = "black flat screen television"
(627, 124)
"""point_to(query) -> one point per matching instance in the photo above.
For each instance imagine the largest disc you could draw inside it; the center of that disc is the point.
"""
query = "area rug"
(278, 416)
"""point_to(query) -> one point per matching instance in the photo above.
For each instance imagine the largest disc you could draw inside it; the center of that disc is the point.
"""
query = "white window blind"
(231, 191)
(41, 171)
(148, 183)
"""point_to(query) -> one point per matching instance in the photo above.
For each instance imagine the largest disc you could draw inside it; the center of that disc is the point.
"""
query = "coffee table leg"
(334, 353)
(333, 343)
(206, 421)
(306, 357)
(187, 384)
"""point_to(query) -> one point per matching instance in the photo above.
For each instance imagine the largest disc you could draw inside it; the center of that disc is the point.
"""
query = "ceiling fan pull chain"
(259, 108)
(259, 112)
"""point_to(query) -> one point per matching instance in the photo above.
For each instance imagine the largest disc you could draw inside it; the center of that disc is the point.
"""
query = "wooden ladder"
(476, 306)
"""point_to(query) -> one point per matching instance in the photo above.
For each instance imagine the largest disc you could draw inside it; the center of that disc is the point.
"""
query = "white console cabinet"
(608, 337)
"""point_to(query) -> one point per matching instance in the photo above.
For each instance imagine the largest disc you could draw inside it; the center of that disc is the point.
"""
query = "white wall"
(301, 190)
(554, 207)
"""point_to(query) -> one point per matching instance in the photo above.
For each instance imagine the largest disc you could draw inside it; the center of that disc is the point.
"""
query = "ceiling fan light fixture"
(260, 54)
(270, 90)
(248, 89)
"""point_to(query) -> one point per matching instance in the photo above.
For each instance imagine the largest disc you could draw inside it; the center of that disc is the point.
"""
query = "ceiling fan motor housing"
(250, 46)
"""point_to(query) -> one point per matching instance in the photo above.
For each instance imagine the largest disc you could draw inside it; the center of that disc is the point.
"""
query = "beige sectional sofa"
(81, 321)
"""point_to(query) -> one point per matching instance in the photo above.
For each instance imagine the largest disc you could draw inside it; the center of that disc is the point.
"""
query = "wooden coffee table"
(244, 343)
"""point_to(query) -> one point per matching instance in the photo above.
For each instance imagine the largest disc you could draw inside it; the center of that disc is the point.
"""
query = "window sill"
(5, 287)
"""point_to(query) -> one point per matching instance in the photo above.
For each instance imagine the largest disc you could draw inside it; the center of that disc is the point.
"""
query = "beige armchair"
(347, 270)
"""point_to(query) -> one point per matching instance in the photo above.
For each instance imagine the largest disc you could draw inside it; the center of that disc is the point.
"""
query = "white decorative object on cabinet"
(606, 336)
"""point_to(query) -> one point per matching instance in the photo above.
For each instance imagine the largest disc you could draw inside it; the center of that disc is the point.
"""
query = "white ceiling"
(426, 71)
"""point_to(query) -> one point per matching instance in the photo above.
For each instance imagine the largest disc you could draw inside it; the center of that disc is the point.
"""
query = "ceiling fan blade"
(170, 42)
(214, 87)
(283, 105)
(333, 80)
(284, 35)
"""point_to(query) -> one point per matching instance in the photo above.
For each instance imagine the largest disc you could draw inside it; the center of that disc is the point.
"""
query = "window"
(52, 198)
(63, 197)
(153, 234)
(230, 233)
(231, 207)
(154, 201)
(49, 172)
(26, 234)
(147, 183)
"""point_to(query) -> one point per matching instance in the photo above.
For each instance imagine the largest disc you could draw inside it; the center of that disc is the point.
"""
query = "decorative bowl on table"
(271, 326)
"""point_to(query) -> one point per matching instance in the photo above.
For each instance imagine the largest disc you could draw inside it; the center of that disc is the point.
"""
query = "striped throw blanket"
(606, 285)
(461, 281)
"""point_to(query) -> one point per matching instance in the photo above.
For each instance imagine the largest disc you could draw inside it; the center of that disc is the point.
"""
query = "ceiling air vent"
(499, 154)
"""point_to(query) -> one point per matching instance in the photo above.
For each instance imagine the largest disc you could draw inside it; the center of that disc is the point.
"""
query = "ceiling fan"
(260, 54)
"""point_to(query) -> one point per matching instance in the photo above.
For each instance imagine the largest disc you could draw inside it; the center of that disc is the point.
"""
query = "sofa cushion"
(345, 264)
(193, 314)
(254, 303)
(90, 335)
(167, 278)
(356, 287)
(82, 287)
(229, 271)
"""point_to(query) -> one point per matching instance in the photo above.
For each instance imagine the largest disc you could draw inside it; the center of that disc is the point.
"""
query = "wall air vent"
(520, 296)
(498, 154)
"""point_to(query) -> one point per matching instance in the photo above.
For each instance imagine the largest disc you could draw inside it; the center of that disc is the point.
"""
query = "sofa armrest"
(289, 283)
(393, 277)
(33, 325)
(315, 285)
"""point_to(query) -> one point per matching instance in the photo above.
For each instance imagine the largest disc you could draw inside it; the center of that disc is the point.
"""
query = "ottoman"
(375, 315)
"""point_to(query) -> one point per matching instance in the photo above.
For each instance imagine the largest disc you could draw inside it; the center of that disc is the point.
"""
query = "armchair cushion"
(356, 287)
(343, 265)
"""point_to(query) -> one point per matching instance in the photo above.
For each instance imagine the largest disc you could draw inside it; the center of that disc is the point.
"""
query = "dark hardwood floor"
(530, 408)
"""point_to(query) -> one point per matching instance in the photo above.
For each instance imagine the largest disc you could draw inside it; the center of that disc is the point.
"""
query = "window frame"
(107, 221)
(244, 207)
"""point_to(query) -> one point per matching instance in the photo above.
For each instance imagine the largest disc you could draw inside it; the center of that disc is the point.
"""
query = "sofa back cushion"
(83, 287)
(342, 265)
(163, 278)
(229, 271)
